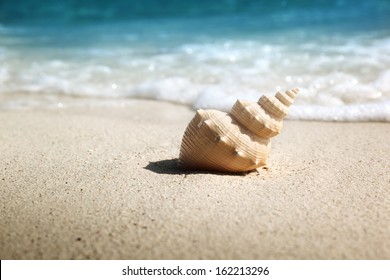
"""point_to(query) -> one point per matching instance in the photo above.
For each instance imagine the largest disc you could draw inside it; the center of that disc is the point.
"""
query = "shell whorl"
(237, 141)
(264, 118)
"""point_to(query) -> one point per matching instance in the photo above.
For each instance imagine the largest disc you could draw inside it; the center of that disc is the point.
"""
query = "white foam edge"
(372, 112)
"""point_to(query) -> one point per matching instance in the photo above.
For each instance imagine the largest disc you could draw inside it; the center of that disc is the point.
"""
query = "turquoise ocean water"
(199, 53)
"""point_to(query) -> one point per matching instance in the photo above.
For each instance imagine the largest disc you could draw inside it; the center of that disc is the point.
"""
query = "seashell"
(238, 141)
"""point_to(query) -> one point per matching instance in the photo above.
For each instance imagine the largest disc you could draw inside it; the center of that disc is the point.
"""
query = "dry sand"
(102, 183)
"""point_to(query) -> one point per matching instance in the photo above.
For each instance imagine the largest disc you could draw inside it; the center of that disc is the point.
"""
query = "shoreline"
(102, 183)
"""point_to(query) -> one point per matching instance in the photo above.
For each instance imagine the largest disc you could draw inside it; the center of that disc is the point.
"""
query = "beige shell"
(237, 141)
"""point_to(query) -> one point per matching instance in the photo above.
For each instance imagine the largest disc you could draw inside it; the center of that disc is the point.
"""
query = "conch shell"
(238, 141)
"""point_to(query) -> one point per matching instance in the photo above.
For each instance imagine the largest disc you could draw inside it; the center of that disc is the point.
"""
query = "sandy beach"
(102, 183)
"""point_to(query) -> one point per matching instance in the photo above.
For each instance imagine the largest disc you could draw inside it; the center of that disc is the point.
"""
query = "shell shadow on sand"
(166, 166)
(172, 167)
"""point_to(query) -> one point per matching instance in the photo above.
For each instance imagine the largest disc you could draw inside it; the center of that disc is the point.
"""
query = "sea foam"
(341, 78)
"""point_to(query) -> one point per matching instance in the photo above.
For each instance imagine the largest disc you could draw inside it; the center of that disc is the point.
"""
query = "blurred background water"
(201, 53)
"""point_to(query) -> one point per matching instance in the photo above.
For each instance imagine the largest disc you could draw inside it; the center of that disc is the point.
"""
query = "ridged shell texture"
(237, 141)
